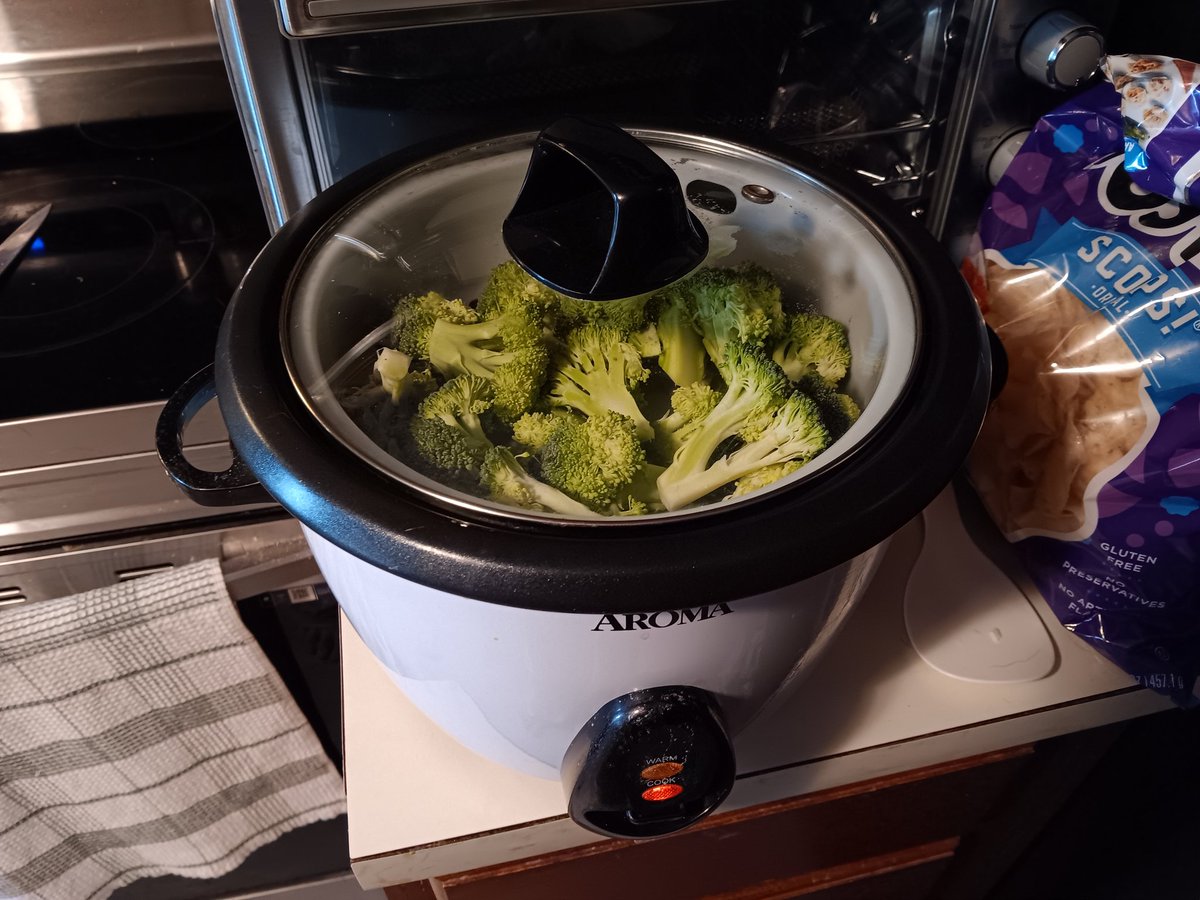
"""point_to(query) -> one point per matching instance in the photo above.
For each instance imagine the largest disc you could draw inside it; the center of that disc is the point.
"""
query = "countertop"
(421, 805)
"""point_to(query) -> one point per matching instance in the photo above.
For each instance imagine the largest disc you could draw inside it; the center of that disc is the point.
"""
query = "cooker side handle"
(235, 485)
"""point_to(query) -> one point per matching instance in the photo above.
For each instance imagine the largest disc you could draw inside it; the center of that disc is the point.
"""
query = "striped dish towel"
(143, 732)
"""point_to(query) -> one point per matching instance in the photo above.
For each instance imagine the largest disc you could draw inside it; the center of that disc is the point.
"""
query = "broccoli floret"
(641, 495)
(630, 506)
(584, 451)
(597, 373)
(748, 484)
(628, 314)
(387, 421)
(756, 389)
(646, 342)
(507, 350)
(593, 459)
(683, 355)
(838, 410)
(421, 384)
(793, 432)
(414, 317)
(741, 303)
(511, 287)
(393, 367)
(447, 431)
(814, 343)
(690, 405)
(533, 429)
(507, 482)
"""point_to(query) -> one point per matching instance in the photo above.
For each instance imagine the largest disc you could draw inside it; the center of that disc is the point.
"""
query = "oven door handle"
(235, 485)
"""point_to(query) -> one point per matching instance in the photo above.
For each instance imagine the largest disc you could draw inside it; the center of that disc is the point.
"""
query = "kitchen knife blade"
(14, 245)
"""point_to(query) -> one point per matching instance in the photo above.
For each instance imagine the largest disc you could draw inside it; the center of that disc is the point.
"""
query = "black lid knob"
(600, 215)
(649, 763)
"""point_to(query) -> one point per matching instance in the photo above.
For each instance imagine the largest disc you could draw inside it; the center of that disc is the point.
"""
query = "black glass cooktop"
(119, 298)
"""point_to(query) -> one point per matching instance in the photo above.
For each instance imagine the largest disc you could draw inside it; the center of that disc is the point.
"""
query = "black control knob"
(649, 763)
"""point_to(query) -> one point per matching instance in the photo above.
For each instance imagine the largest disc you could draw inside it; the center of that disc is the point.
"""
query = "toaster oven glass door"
(862, 82)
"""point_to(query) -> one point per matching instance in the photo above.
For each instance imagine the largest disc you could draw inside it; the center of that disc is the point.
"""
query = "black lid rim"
(757, 547)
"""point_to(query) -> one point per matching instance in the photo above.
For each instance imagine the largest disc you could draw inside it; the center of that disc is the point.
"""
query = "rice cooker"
(621, 654)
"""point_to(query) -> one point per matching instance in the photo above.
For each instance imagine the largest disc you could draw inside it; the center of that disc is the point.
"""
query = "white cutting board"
(965, 617)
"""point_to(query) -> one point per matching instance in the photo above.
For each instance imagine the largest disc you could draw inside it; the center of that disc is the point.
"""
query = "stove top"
(119, 298)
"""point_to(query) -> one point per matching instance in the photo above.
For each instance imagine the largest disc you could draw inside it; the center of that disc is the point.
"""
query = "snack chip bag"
(1087, 266)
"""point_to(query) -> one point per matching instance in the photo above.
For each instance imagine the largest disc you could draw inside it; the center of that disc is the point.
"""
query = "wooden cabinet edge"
(446, 885)
(812, 884)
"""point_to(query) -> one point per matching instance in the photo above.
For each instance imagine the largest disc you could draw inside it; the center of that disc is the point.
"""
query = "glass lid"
(419, 344)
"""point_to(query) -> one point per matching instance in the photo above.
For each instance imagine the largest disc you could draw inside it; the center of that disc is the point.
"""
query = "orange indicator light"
(661, 770)
(662, 792)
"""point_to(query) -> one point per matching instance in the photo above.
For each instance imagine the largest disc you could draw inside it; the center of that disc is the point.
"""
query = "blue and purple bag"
(1087, 265)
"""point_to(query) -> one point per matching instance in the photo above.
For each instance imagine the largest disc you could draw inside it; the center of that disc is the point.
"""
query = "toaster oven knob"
(1061, 50)
(1004, 153)
(649, 763)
